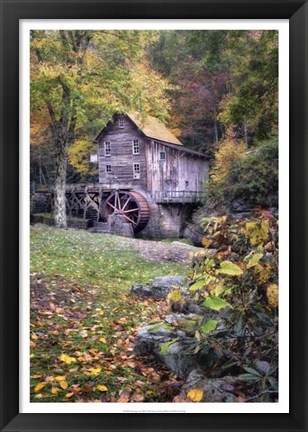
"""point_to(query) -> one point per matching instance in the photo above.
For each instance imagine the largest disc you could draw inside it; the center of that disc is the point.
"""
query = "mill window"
(136, 171)
(108, 169)
(136, 148)
(162, 155)
(107, 148)
(121, 122)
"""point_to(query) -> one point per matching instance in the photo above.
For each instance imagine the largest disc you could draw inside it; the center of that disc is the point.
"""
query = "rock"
(168, 345)
(119, 226)
(162, 285)
(194, 232)
(142, 290)
(166, 282)
(160, 288)
(214, 389)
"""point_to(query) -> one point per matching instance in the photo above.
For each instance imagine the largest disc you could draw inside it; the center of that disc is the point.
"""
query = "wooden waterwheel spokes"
(131, 205)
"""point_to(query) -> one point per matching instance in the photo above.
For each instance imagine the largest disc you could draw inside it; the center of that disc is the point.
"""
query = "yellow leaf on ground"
(102, 340)
(67, 359)
(60, 378)
(33, 336)
(272, 295)
(195, 395)
(39, 387)
(95, 371)
(55, 390)
(102, 388)
(69, 395)
(64, 385)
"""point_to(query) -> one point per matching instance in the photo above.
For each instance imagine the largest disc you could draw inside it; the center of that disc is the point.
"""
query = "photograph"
(153, 259)
(154, 216)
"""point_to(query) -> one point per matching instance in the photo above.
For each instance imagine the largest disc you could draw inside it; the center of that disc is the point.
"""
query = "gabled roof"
(155, 130)
(151, 128)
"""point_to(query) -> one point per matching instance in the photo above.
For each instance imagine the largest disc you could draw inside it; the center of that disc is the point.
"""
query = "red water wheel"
(131, 205)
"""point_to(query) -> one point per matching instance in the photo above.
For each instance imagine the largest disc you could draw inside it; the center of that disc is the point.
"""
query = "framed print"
(121, 339)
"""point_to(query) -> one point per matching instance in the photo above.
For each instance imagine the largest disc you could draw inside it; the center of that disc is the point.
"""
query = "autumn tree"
(222, 78)
(79, 79)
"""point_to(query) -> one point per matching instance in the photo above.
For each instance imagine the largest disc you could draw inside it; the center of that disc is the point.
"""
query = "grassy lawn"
(83, 319)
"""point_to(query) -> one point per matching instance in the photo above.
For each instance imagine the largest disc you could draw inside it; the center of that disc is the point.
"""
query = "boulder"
(142, 290)
(168, 345)
(160, 288)
(214, 389)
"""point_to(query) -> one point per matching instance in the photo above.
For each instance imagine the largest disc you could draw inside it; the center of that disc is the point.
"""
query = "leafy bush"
(249, 177)
(235, 280)
(255, 177)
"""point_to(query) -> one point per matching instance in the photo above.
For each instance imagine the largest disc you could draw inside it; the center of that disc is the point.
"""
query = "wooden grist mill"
(148, 181)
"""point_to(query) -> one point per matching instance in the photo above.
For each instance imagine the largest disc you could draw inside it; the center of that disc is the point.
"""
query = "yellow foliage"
(257, 232)
(174, 296)
(206, 242)
(94, 371)
(228, 152)
(262, 274)
(60, 378)
(272, 295)
(39, 387)
(102, 388)
(79, 155)
(63, 385)
(67, 359)
(195, 395)
(55, 390)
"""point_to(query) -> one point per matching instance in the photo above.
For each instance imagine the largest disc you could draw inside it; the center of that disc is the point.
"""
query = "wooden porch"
(179, 197)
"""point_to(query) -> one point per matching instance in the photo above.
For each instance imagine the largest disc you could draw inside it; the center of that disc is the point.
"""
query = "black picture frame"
(11, 13)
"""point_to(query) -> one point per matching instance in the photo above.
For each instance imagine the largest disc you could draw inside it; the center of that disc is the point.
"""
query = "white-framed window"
(136, 171)
(162, 155)
(121, 122)
(108, 169)
(107, 148)
(136, 147)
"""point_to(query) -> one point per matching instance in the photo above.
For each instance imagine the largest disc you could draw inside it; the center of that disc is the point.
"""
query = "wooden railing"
(180, 196)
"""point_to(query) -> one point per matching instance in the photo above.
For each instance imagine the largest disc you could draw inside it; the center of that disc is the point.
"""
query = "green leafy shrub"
(251, 177)
(255, 177)
(235, 280)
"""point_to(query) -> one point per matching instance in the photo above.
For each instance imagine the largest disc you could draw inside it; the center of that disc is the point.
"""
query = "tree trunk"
(59, 190)
(245, 132)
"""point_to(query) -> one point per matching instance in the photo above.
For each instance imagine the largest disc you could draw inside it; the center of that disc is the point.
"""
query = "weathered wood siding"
(122, 159)
(180, 170)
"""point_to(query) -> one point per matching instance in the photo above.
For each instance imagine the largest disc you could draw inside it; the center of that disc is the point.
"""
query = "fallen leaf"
(39, 387)
(84, 333)
(60, 378)
(102, 388)
(124, 396)
(102, 340)
(137, 397)
(55, 390)
(195, 395)
(64, 385)
(67, 359)
(94, 371)
(69, 395)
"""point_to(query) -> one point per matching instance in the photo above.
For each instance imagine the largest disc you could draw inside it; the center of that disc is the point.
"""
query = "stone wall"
(166, 221)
